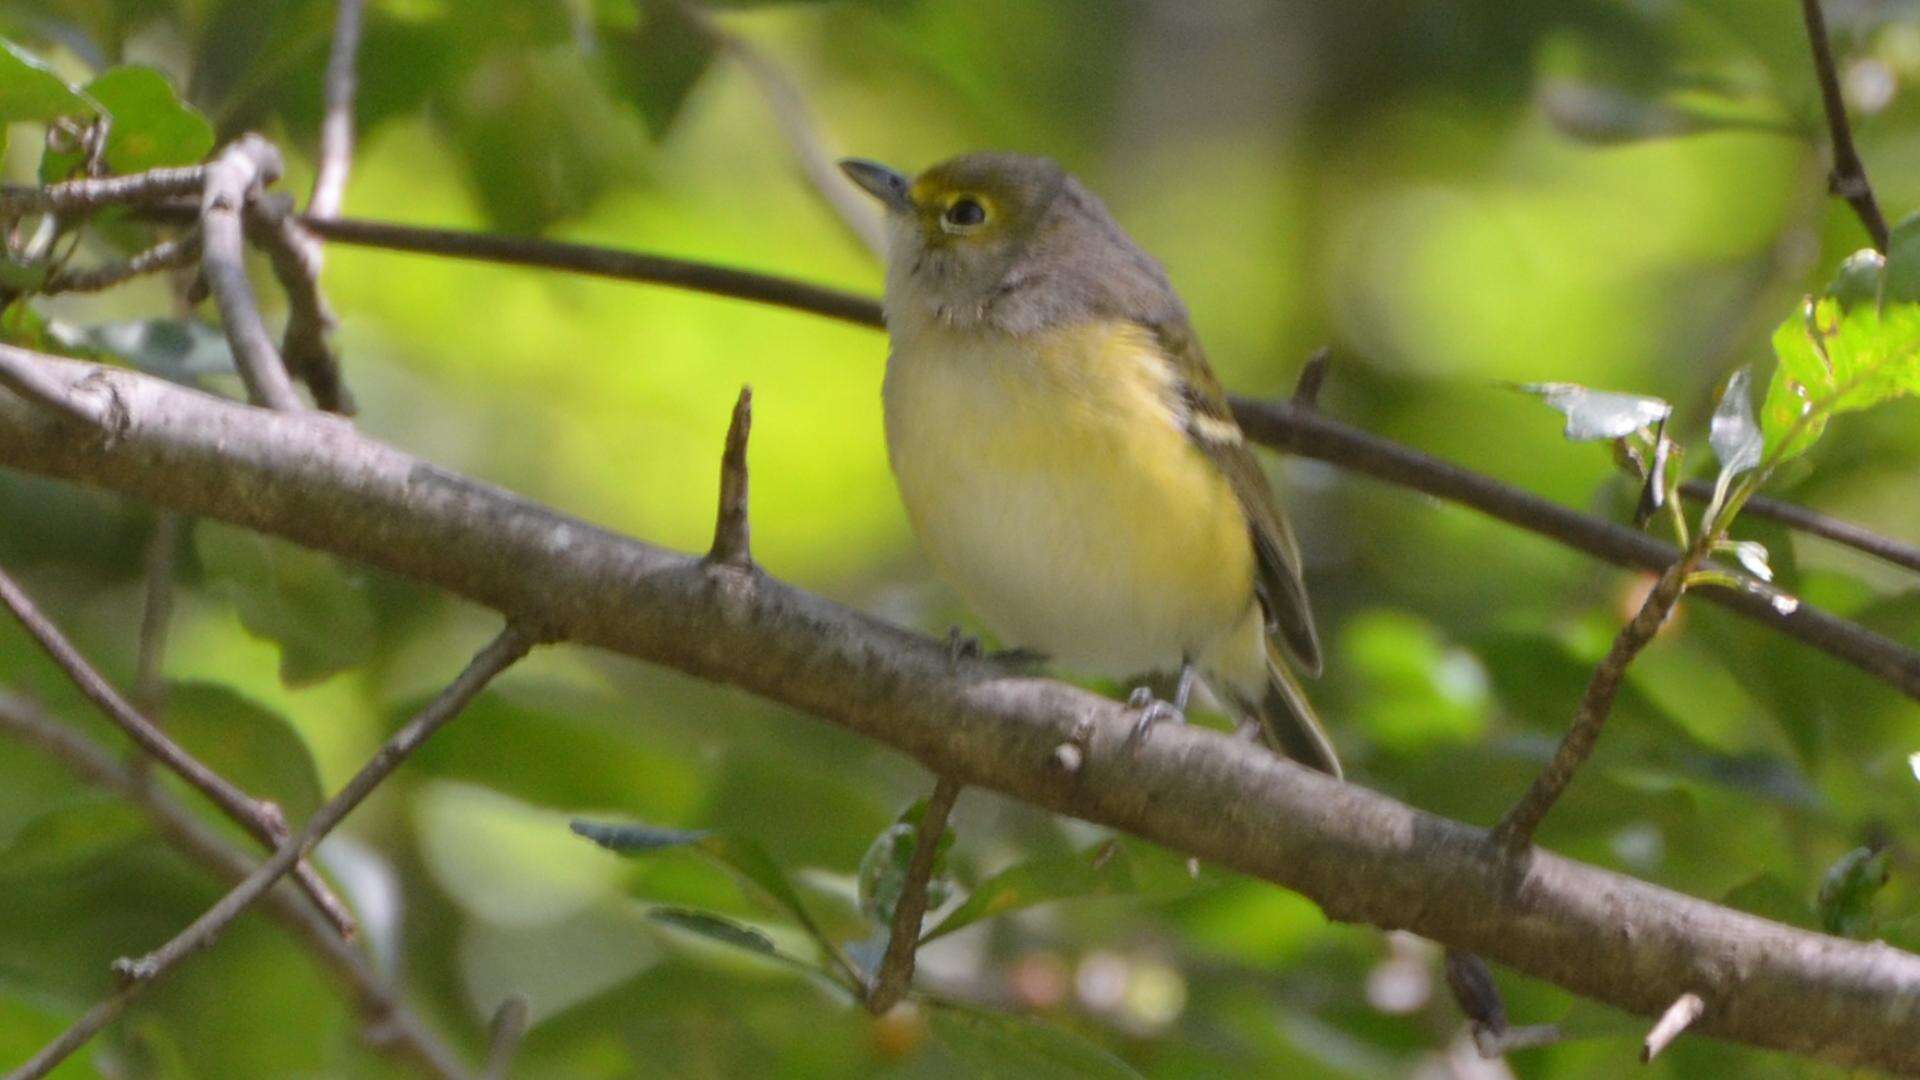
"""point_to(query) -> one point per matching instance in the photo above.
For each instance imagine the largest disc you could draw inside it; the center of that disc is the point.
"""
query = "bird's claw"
(960, 648)
(1152, 711)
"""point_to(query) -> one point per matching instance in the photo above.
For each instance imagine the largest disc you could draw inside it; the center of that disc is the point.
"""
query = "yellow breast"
(1052, 486)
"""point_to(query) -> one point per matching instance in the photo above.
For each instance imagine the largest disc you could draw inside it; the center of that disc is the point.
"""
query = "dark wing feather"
(1211, 426)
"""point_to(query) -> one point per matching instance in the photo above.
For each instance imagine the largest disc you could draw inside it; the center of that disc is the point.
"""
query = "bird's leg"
(1153, 710)
(960, 647)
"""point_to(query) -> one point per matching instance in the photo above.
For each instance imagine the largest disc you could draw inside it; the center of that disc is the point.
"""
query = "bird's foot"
(960, 648)
(1152, 711)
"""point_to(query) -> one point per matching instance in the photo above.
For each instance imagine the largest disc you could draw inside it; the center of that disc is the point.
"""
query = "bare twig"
(136, 975)
(1678, 1017)
(895, 974)
(295, 255)
(1494, 1044)
(789, 108)
(180, 828)
(603, 262)
(1848, 178)
(1360, 855)
(1515, 831)
(81, 196)
(231, 180)
(169, 254)
(1479, 999)
(260, 818)
(732, 535)
(1306, 391)
(503, 1037)
(1814, 523)
(336, 128)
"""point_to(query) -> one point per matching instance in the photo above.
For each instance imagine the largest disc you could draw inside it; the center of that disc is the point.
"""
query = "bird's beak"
(880, 182)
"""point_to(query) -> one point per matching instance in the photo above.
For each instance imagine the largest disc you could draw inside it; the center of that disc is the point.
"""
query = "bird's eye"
(965, 213)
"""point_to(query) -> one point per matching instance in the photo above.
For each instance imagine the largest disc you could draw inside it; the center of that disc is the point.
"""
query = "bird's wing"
(1210, 424)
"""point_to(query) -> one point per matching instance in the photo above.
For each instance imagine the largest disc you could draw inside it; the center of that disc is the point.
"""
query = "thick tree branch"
(1362, 856)
(136, 975)
(1848, 178)
(375, 999)
(260, 818)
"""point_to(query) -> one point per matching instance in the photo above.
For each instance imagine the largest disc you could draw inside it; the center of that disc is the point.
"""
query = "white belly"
(1063, 503)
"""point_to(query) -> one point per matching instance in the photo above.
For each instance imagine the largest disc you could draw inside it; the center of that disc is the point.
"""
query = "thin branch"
(260, 818)
(307, 347)
(1313, 375)
(1515, 831)
(603, 262)
(895, 974)
(375, 999)
(1363, 857)
(503, 1037)
(136, 975)
(817, 164)
(1496, 1044)
(169, 254)
(336, 128)
(81, 196)
(1848, 178)
(1677, 1019)
(231, 180)
(732, 535)
(1812, 522)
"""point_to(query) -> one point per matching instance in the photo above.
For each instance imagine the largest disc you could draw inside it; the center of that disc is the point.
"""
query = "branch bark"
(231, 180)
(1362, 856)
(1848, 177)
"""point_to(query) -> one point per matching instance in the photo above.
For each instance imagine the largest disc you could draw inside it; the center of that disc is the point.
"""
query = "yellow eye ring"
(963, 215)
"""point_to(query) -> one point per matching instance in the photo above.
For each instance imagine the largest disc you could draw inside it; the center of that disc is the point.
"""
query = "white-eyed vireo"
(1066, 455)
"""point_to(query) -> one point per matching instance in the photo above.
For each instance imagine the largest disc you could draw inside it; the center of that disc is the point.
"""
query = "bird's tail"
(1289, 722)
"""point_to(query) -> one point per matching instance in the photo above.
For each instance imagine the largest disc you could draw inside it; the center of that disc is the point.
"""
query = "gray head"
(1010, 242)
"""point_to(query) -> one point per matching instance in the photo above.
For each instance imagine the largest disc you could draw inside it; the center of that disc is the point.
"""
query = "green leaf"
(1846, 894)
(181, 350)
(30, 91)
(883, 869)
(1734, 433)
(1104, 869)
(71, 835)
(741, 854)
(151, 126)
(997, 1044)
(657, 66)
(726, 931)
(1599, 414)
(303, 601)
(247, 743)
(1832, 360)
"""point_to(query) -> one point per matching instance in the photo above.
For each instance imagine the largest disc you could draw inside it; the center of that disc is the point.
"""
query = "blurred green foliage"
(1627, 197)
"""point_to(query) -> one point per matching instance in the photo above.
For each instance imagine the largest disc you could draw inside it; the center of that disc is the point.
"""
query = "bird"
(1066, 456)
